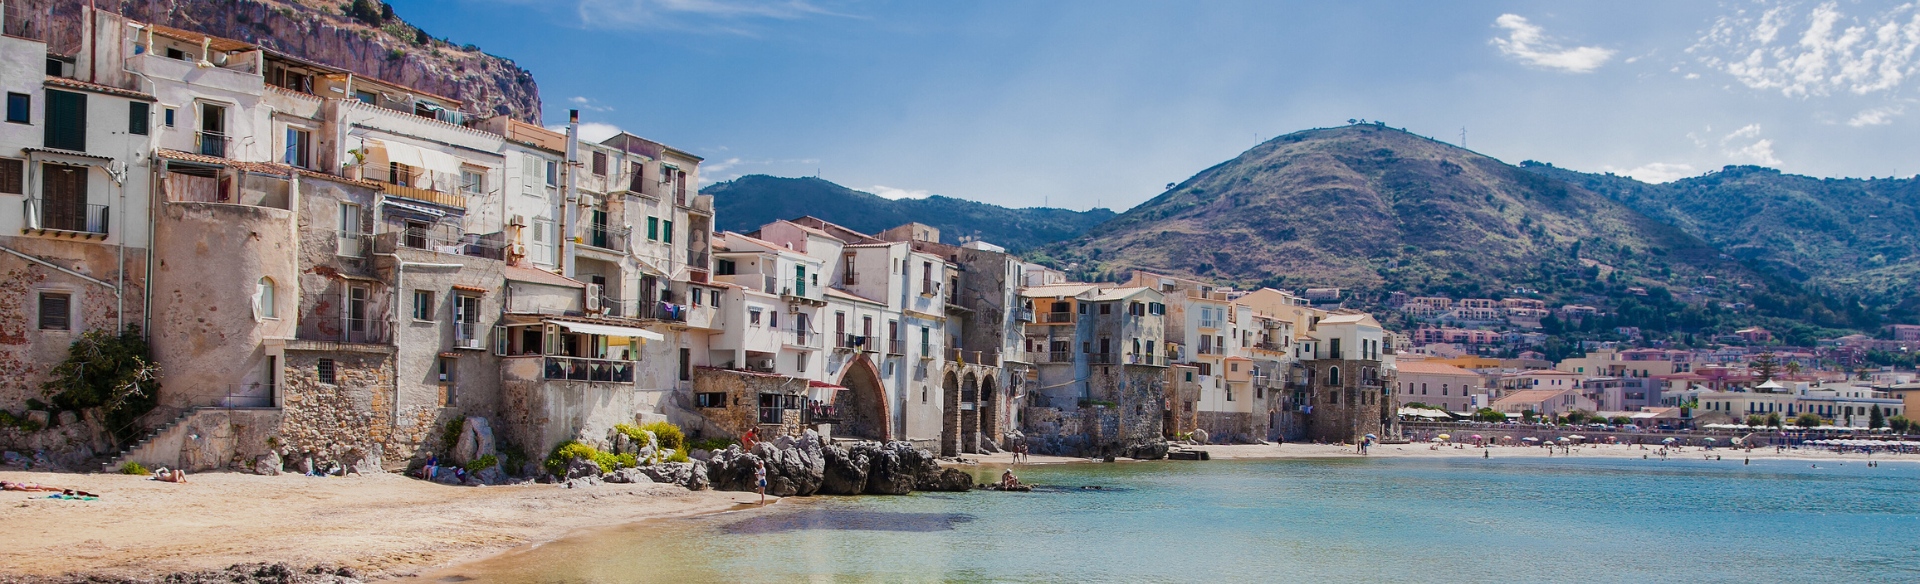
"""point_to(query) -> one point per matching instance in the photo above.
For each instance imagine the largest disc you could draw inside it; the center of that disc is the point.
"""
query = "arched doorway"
(950, 416)
(990, 410)
(862, 406)
(970, 413)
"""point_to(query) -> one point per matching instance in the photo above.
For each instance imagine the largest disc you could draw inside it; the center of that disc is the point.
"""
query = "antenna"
(1463, 136)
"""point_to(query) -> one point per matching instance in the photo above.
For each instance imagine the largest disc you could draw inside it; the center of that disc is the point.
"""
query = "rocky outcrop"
(386, 49)
(475, 442)
(948, 479)
(846, 470)
(691, 475)
(795, 468)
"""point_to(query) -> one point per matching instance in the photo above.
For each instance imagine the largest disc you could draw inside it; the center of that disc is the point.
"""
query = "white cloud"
(1831, 52)
(897, 194)
(1528, 43)
(1736, 146)
(1657, 172)
(1747, 131)
(589, 104)
(590, 131)
(1879, 116)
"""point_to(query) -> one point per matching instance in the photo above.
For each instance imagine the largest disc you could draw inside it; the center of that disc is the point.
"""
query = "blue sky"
(1079, 104)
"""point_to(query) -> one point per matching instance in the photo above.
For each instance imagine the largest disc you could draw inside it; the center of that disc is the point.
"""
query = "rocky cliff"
(363, 36)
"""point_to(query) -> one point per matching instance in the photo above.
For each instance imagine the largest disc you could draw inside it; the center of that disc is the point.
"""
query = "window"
(423, 305)
(800, 362)
(653, 229)
(753, 316)
(472, 181)
(168, 115)
(56, 311)
(139, 116)
(926, 342)
(263, 299)
(19, 108)
(299, 148)
(710, 399)
(553, 173)
(174, 53)
(1106, 308)
(543, 246)
(350, 233)
(66, 126)
(325, 370)
(600, 164)
(213, 130)
(357, 299)
(367, 97)
(1333, 376)
(723, 267)
(666, 232)
(13, 176)
(926, 278)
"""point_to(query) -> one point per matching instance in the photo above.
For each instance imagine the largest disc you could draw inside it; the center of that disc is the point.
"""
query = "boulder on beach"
(475, 441)
(846, 470)
(691, 475)
(949, 479)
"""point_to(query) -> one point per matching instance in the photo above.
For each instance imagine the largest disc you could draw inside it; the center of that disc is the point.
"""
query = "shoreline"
(387, 527)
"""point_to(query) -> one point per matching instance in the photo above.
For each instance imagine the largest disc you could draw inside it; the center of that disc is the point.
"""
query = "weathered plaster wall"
(206, 335)
(27, 353)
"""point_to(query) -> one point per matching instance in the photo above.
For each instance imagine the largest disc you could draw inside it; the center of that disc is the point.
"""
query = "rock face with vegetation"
(363, 36)
(748, 202)
(803, 467)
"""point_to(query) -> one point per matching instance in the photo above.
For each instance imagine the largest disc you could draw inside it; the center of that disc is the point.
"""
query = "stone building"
(1102, 388)
(1346, 382)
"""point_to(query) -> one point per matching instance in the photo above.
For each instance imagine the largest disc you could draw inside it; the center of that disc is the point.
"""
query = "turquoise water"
(1338, 520)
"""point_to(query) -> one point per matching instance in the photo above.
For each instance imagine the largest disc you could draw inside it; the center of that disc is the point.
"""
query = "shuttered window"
(66, 120)
(13, 176)
(139, 114)
(54, 311)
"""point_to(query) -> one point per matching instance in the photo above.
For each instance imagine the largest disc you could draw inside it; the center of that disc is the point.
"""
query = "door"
(213, 130)
(63, 197)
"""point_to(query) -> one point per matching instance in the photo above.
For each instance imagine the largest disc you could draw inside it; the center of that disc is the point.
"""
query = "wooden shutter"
(66, 120)
(13, 173)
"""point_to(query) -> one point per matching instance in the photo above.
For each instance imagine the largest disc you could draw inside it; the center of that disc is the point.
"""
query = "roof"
(1431, 368)
(849, 234)
(97, 88)
(255, 167)
(222, 44)
(1530, 396)
(810, 230)
(1359, 318)
(535, 276)
(1547, 372)
(1119, 293)
(836, 292)
(1057, 290)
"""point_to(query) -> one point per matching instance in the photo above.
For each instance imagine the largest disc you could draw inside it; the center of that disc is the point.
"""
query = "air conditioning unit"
(517, 221)
(593, 297)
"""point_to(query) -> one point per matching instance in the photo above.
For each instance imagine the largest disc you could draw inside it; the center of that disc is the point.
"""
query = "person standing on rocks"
(760, 479)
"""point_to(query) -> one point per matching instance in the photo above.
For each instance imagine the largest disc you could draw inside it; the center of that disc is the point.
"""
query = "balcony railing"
(456, 244)
(1060, 356)
(1024, 315)
(1056, 318)
(645, 310)
(584, 369)
(329, 319)
(448, 200)
(353, 245)
(1100, 358)
(66, 216)
(1209, 323)
(606, 238)
(798, 337)
(1142, 359)
(974, 357)
(211, 144)
(846, 341)
(1268, 346)
(897, 347)
(466, 335)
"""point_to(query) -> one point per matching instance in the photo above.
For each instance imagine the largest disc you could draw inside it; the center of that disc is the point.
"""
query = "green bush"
(669, 435)
(134, 468)
(572, 449)
(113, 372)
(678, 456)
(712, 444)
(8, 420)
(483, 463)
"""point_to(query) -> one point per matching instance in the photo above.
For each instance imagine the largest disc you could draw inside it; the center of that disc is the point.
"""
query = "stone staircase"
(127, 452)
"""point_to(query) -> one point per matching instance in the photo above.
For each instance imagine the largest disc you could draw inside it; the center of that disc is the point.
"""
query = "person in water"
(1009, 482)
(760, 480)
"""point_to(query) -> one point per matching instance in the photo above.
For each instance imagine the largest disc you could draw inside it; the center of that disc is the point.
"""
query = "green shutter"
(667, 235)
(66, 120)
(653, 228)
(138, 116)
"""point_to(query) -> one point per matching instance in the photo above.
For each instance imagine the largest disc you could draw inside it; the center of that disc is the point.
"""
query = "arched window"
(1333, 376)
(263, 299)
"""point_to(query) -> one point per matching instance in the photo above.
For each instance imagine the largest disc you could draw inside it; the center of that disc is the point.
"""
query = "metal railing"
(585, 369)
(1100, 358)
(1024, 315)
(1268, 346)
(1056, 318)
(248, 395)
(800, 337)
(973, 357)
(353, 245)
(897, 347)
(1209, 323)
(1060, 356)
(66, 216)
(1141, 359)
(466, 335)
(1209, 350)
(847, 341)
(425, 195)
(211, 143)
(606, 238)
(645, 310)
(455, 244)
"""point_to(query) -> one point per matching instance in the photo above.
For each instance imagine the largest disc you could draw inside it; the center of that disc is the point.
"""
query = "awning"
(812, 383)
(610, 330)
(430, 212)
(380, 152)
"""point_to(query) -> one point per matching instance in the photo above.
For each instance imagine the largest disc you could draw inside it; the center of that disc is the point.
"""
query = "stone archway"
(950, 415)
(990, 410)
(862, 406)
(970, 413)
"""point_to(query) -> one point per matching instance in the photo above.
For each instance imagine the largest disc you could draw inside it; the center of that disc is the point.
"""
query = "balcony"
(210, 144)
(897, 347)
(645, 310)
(798, 337)
(68, 216)
(1056, 318)
(466, 335)
(557, 368)
(1142, 359)
(449, 200)
(1060, 357)
(1210, 323)
(330, 318)
(991, 358)
(846, 341)
(447, 243)
(1023, 315)
(1269, 346)
(602, 237)
(352, 245)
(1100, 358)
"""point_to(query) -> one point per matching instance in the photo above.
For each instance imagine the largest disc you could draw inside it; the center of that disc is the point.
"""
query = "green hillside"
(746, 203)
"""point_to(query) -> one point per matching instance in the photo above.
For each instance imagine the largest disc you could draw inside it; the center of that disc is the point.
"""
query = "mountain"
(1849, 236)
(363, 36)
(746, 203)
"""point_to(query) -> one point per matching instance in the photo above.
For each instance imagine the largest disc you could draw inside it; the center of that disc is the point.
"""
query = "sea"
(1307, 520)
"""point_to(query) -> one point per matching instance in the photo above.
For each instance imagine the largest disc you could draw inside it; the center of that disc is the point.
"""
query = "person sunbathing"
(170, 476)
(29, 487)
(1009, 482)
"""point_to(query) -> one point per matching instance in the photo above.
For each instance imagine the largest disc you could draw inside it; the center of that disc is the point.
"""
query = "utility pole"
(570, 198)
(1463, 136)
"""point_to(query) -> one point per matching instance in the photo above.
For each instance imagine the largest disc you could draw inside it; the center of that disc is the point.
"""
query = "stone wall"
(539, 414)
(351, 416)
(742, 411)
(1126, 411)
(27, 353)
(1351, 409)
(1228, 427)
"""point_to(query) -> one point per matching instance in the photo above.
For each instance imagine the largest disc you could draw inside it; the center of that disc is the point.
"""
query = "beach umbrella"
(1667, 441)
(1577, 437)
(1531, 439)
(1707, 439)
(1564, 439)
(1445, 437)
(1372, 437)
(1477, 437)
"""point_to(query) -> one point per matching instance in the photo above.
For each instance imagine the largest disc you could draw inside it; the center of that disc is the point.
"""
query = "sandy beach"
(380, 526)
(385, 526)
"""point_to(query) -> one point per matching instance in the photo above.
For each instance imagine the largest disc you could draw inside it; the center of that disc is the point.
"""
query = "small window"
(800, 362)
(723, 267)
(1106, 308)
(366, 97)
(173, 53)
(600, 164)
(13, 176)
(653, 229)
(553, 173)
(168, 115)
(299, 148)
(444, 368)
(753, 317)
(56, 311)
(423, 305)
(325, 370)
(472, 181)
(666, 232)
(710, 399)
(263, 299)
(139, 114)
(19, 108)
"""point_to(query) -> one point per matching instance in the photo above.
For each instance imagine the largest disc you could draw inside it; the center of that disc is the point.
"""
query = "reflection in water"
(846, 519)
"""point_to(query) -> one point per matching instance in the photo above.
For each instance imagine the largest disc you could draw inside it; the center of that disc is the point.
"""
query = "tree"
(115, 373)
(1900, 424)
(1875, 418)
(1620, 420)
(1578, 416)
(1773, 420)
(1529, 415)
(1793, 368)
(1764, 367)
(1489, 415)
(1808, 420)
(1756, 420)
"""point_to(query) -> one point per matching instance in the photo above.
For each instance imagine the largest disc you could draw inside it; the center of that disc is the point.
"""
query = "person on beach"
(170, 476)
(28, 487)
(753, 435)
(760, 479)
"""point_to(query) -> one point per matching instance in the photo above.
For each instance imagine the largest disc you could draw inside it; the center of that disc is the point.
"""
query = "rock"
(68, 419)
(988, 446)
(693, 476)
(446, 475)
(267, 464)
(1154, 450)
(38, 417)
(365, 463)
(1199, 435)
(846, 470)
(701, 455)
(628, 476)
(476, 441)
(492, 476)
(581, 482)
(950, 479)
(306, 465)
(11, 458)
(898, 467)
(581, 468)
